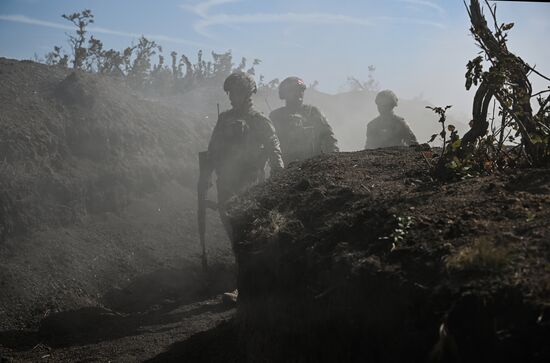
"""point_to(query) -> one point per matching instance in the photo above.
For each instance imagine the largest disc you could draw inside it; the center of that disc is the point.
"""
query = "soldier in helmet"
(388, 129)
(242, 141)
(302, 129)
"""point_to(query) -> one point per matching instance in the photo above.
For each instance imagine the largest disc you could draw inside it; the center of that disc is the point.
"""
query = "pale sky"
(419, 47)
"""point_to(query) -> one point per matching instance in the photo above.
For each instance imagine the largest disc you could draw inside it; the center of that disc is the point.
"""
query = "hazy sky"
(419, 47)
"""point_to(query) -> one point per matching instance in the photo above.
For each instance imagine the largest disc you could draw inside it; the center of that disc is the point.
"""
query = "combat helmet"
(386, 97)
(240, 81)
(289, 84)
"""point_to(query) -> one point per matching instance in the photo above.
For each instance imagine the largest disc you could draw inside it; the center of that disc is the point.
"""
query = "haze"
(419, 47)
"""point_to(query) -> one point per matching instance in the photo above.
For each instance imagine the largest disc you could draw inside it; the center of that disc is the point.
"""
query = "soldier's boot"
(230, 298)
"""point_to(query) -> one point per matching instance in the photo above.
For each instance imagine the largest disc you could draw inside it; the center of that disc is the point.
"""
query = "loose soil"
(363, 256)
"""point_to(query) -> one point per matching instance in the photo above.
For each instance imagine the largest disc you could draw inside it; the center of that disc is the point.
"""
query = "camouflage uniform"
(242, 142)
(388, 129)
(302, 129)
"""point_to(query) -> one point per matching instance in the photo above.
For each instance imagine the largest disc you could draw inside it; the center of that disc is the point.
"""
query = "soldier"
(388, 129)
(302, 129)
(242, 141)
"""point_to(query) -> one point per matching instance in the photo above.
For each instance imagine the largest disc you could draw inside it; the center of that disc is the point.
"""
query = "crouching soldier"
(302, 129)
(388, 129)
(242, 142)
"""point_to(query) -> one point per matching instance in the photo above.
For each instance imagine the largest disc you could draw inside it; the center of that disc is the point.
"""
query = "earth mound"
(76, 143)
(363, 257)
(97, 190)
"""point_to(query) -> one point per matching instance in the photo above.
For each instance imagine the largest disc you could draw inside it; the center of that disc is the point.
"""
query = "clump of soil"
(363, 257)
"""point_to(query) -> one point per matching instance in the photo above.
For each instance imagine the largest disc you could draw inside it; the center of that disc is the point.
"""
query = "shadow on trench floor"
(160, 298)
(220, 344)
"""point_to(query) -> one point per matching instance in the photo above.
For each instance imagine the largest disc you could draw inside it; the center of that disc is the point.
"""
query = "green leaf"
(506, 27)
(456, 144)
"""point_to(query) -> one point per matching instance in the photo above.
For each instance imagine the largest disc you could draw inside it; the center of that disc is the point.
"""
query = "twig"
(529, 160)
(467, 8)
(493, 14)
(541, 92)
(426, 160)
(543, 107)
(365, 187)
(493, 117)
(537, 72)
(514, 116)
(36, 346)
(501, 135)
(544, 126)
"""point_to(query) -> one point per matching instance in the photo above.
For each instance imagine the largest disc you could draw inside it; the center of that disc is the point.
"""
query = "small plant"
(522, 137)
(441, 111)
(81, 21)
(136, 65)
(402, 226)
(141, 66)
(371, 84)
(507, 82)
(451, 163)
(55, 58)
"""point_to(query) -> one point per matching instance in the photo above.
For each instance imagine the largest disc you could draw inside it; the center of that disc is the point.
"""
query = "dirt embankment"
(74, 144)
(97, 190)
(363, 257)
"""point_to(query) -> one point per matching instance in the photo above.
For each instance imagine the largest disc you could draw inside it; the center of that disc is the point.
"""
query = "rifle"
(205, 173)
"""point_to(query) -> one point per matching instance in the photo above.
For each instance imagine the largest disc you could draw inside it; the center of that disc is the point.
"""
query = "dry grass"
(481, 254)
(267, 228)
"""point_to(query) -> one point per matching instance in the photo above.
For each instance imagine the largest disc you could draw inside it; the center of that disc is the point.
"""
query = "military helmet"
(240, 81)
(386, 97)
(289, 84)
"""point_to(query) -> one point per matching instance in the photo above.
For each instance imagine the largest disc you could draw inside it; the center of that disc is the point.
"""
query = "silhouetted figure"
(302, 129)
(242, 141)
(388, 129)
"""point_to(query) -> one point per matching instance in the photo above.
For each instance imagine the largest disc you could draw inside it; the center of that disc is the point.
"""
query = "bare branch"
(540, 93)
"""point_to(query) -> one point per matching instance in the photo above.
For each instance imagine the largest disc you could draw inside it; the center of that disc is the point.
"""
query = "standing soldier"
(242, 141)
(302, 129)
(388, 129)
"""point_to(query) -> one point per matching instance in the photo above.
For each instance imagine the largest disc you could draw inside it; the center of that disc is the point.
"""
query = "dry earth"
(99, 255)
(363, 256)
(346, 257)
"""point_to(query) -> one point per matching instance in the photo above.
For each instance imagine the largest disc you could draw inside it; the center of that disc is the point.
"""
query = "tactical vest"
(297, 138)
(241, 154)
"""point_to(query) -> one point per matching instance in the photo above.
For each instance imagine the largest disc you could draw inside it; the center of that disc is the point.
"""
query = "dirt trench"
(99, 252)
